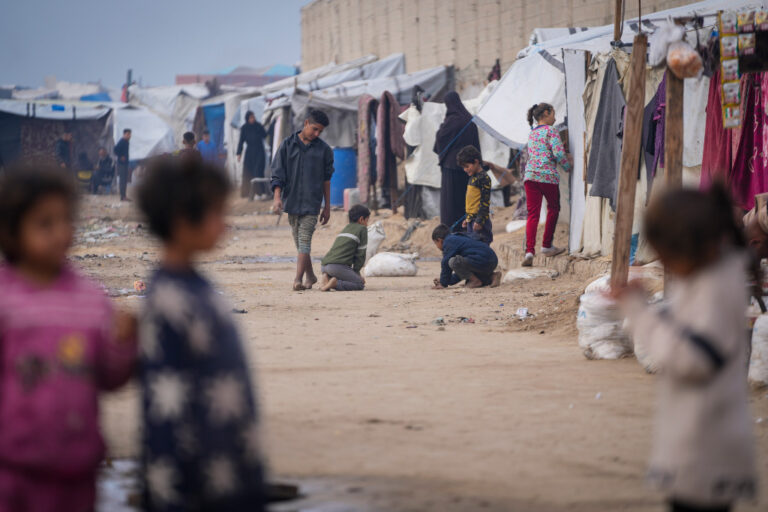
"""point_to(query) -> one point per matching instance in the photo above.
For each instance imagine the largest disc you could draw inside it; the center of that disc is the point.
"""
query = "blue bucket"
(344, 174)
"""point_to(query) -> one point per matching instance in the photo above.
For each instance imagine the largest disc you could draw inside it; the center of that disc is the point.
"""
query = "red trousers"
(534, 191)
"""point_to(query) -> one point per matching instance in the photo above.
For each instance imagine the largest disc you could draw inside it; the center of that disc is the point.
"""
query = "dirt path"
(372, 406)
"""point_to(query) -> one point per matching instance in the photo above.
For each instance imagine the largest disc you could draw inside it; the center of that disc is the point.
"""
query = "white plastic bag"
(758, 361)
(375, 237)
(684, 61)
(601, 328)
(660, 40)
(391, 264)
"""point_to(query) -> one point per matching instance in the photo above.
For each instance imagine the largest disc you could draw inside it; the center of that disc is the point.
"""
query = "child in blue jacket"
(465, 259)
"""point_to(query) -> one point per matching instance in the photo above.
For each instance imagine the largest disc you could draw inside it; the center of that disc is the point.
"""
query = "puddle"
(262, 259)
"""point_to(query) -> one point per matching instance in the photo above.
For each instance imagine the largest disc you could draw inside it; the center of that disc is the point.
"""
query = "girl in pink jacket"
(60, 344)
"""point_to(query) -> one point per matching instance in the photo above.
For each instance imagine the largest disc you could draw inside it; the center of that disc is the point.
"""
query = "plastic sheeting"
(536, 78)
(341, 102)
(150, 136)
(214, 122)
(53, 110)
(574, 66)
(176, 104)
(422, 166)
(393, 65)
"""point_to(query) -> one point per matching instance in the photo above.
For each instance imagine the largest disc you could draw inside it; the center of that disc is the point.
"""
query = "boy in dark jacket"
(341, 266)
(465, 259)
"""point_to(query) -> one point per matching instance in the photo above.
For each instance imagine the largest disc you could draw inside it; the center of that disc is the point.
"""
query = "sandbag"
(391, 264)
(375, 237)
(758, 361)
(522, 274)
(601, 329)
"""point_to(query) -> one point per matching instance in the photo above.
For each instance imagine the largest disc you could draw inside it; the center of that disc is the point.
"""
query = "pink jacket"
(56, 353)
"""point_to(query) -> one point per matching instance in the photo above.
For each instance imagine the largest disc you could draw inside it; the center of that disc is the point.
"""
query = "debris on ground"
(521, 274)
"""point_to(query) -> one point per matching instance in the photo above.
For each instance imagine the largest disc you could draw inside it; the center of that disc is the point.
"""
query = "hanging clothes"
(367, 107)
(747, 177)
(389, 145)
(605, 153)
(716, 163)
(659, 118)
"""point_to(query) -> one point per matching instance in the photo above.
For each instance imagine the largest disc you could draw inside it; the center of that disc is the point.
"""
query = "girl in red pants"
(545, 151)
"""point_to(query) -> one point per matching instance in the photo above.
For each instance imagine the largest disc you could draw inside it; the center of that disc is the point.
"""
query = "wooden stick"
(673, 131)
(617, 20)
(630, 161)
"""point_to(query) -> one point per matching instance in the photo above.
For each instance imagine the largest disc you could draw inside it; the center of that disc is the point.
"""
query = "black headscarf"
(457, 117)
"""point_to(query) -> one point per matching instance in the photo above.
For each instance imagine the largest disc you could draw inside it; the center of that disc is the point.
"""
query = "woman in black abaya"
(457, 131)
(252, 134)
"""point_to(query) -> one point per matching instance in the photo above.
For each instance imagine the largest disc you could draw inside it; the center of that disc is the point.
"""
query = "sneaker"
(551, 252)
(528, 261)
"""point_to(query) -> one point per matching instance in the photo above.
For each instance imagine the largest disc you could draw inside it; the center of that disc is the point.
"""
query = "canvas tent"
(175, 104)
(31, 129)
(553, 71)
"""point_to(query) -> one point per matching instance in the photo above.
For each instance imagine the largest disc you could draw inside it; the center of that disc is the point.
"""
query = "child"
(478, 203)
(703, 451)
(190, 152)
(545, 152)
(341, 266)
(201, 430)
(60, 344)
(465, 259)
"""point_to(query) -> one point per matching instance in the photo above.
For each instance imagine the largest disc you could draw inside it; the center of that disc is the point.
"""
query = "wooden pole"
(630, 161)
(673, 131)
(617, 20)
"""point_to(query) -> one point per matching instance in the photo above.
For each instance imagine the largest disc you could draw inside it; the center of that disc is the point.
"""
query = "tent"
(175, 104)
(31, 129)
(553, 71)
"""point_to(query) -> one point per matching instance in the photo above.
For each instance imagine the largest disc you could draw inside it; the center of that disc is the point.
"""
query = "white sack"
(601, 330)
(376, 236)
(758, 362)
(391, 264)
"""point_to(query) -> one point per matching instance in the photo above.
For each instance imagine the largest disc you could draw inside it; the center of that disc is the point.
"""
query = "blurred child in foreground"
(60, 344)
(703, 451)
(201, 448)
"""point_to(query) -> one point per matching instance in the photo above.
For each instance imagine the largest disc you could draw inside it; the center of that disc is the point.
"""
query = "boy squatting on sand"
(465, 259)
(341, 266)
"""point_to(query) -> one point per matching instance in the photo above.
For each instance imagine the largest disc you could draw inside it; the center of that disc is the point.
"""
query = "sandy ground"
(369, 405)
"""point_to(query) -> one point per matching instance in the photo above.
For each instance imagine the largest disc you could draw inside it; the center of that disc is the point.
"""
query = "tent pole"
(617, 20)
(630, 160)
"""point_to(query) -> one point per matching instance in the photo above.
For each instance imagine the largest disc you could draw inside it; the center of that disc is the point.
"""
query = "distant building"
(242, 76)
(468, 34)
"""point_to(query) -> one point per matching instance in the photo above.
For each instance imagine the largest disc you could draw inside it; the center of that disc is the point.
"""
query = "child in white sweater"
(703, 449)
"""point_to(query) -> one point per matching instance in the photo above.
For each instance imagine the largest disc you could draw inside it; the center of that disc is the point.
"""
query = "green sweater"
(349, 247)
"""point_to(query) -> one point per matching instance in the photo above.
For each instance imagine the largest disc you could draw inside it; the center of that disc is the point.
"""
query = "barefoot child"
(60, 344)
(301, 181)
(703, 455)
(201, 430)
(478, 204)
(465, 259)
(341, 266)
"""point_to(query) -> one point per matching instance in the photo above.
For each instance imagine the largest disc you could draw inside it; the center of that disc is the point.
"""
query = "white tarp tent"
(150, 134)
(53, 110)
(540, 75)
(175, 104)
(340, 102)
(422, 166)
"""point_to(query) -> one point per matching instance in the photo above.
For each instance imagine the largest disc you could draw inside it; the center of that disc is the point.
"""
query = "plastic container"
(344, 174)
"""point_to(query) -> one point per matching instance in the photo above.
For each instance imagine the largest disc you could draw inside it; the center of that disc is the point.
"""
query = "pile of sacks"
(602, 329)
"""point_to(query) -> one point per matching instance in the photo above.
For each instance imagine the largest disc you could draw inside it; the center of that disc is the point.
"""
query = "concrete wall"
(469, 34)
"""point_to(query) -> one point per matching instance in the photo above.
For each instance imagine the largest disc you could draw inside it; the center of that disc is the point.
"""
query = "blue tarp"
(99, 96)
(281, 70)
(214, 121)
